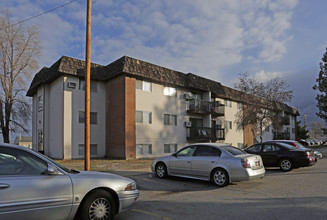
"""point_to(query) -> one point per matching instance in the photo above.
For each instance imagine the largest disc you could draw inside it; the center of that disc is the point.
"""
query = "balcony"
(204, 107)
(203, 134)
(284, 120)
(281, 136)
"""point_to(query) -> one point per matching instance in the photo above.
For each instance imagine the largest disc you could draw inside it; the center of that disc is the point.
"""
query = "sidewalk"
(106, 165)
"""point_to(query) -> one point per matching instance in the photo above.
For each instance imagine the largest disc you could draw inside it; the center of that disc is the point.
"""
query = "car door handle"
(4, 186)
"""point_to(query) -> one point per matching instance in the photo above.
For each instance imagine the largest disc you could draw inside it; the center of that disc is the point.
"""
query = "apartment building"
(138, 110)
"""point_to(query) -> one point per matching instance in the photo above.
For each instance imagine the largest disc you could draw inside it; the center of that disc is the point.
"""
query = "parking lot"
(299, 194)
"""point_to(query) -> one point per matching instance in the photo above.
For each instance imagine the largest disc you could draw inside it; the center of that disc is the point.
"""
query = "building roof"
(138, 69)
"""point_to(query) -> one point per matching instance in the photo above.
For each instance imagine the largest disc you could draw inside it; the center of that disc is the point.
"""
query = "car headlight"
(130, 187)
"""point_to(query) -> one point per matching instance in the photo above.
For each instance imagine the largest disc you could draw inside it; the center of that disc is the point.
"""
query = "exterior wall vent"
(71, 85)
(188, 124)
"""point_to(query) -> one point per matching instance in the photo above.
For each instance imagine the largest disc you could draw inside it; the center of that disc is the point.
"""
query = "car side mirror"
(52, 170)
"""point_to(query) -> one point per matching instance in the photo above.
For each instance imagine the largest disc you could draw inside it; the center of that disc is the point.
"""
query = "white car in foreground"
(33, 186)
(220, 163)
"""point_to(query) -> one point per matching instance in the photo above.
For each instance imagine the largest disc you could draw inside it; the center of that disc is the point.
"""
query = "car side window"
(18, 162)
(268, 148)
(255, 148)
(275, 148)
(188, 151)
(207, 151)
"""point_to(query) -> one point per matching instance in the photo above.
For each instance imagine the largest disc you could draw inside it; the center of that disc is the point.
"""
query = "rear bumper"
(307, 162)
(249, 174)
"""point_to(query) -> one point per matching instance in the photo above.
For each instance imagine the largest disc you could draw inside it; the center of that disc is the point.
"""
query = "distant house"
(138, 110)
(25, 141)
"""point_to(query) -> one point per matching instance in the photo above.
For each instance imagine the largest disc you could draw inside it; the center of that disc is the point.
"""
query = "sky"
(215, 39)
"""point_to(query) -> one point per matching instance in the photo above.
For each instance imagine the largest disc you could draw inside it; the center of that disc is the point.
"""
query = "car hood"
(95, 174)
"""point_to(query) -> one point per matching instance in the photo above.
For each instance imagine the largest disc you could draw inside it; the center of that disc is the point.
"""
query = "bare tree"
(19, 49)
(260, 103)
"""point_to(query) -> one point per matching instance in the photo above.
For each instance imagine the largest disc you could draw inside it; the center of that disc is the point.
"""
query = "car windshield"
(233, 150)
(56, 163)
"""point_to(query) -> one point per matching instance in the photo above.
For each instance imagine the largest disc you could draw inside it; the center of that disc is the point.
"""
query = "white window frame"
(93, 149)
(143, 149)
(170, 119)
(170, 91)
(145, 115)
(144, 86)
(170, 148)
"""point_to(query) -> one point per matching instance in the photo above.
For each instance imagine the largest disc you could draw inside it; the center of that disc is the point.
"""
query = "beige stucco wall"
(157, 133)
(74, 99)
(233, 136)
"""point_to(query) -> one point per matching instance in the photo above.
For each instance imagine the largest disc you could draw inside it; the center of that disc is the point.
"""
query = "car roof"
(210, 144)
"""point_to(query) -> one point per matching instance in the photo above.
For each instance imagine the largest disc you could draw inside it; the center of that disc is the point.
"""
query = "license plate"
(257, 163)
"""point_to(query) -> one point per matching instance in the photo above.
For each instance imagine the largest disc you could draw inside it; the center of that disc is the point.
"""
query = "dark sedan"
(283, 155)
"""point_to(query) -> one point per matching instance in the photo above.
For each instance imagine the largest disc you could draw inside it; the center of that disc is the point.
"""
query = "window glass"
(144, 149)
(228, 125)
(188, 151)
(93, 87)
(18, 162)
(267, 148)
(255, 148)
(170, 148)
(169, 91)
(170, 119)
(143, 117)
(233, 150)
(93, 117)
(207, 151)
(93, 149)
(144, 86)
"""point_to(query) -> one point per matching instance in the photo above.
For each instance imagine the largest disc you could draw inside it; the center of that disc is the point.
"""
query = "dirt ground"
(106, 165)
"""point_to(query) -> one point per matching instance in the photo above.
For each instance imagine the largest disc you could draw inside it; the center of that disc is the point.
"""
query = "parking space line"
(152, 214)
(153, 181)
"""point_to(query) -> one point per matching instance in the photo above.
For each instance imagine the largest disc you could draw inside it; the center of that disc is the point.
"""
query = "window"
(207, 151)
(170, 148)
(40, 103)
(93, 149)
(228, 125)
(169, 91)
(143, 117)
(270, 148)
(188, 151)
(144, 86)
(144, 149)
(267, 128)
(293, 130)
(255, 148)
(93, 117)
(228, 103)
(93, 87)
(240, 145)
(17, 162)
(170, 119)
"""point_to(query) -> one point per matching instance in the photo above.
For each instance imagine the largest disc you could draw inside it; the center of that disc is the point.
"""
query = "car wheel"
(220, 177)
(161, 170)
(99, 205)
(286, 164)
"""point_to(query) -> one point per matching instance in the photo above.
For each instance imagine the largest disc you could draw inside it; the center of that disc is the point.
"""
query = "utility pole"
(87, 86)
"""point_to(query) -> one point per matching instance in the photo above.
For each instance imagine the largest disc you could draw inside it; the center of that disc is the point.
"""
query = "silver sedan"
(33, 186)
(220, 163)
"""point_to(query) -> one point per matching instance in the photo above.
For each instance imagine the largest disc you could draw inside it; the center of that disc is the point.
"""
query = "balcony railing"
(216, 109)
(205, 134)
(284, 120)
(281, 136)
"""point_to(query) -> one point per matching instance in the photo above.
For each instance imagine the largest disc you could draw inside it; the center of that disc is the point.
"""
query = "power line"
(35, 16)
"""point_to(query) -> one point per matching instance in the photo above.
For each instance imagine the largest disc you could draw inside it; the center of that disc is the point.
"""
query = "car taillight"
(245, 163)
(293, 144)
(308, 154)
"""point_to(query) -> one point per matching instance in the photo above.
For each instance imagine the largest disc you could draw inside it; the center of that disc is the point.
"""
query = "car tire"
(98, 205)
(286, 165)
(161, 170)
(220, 177)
